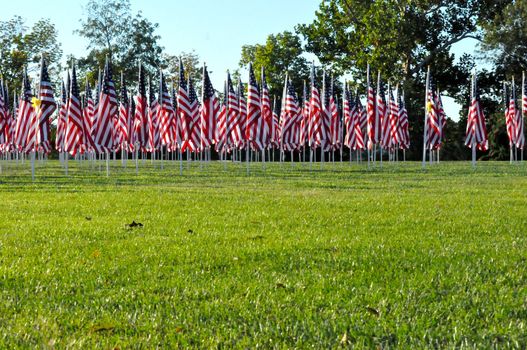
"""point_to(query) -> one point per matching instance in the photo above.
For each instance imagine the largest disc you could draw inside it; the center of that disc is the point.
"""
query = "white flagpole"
(473, 142)
(380, 121)
(425, 128)
(107, 164)
(522, 113)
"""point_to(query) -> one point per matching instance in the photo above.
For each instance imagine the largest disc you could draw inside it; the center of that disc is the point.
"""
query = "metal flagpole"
(473, 142)
(425, 133)
(513, 95)
(381, 121)
(522, 113)
(368, 142)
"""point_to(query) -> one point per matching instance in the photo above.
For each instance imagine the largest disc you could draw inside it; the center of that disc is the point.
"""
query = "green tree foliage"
(505, 39)
(401, 38)
(191, 62)
(21, 46)
(281, 53)
(113, 31)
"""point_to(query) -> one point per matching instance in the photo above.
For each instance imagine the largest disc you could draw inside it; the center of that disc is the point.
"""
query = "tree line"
(399, 38)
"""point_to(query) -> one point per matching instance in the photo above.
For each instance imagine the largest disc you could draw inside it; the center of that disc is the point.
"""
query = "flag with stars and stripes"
(43, 111)
(62, 120)
(220, 138)
(154, 137)
(106, 112)
(393, 116)
(194, 126)
(267, 114)
(234, 133)
(165, 113)
(253, 126)
(476, 134)
(74, 124)
(316, 128)
(122, 122)
(175, 125)
(24, 116)
(402, 129)
(3, 115)
(87, 118)
(434, 134)
(372, 123)
(242, 115)
(210, 108)
(290, 118)
(140, 132)
(336, 124)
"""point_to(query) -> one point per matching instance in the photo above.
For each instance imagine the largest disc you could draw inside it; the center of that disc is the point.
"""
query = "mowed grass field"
(343, 256)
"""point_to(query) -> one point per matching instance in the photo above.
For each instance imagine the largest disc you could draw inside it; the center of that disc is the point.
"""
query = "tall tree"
(281, 53)
(21, 46)
(401, 38)
(505, 39)
(113, 31)
(192, 64)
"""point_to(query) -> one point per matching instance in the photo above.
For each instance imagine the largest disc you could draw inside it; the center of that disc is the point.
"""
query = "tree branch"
(447, 44)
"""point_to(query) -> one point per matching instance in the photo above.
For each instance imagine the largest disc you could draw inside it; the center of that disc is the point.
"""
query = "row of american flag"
(178, 120)
(244, 118)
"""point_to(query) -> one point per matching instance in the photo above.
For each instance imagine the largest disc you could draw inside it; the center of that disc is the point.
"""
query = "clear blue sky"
(214, 29)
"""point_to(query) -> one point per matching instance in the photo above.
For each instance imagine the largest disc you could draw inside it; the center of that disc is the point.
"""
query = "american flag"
(358, 114)
(267, 113)
(476, 131)
(510, 113)
(254, 123)
(275, 126)
(434, 122)
(131, 124)
(3, 115)
(316, 129)
(382, 120)
(154, 137)
(24, 115)
(74, 124)
(325, 142)
(45, 110)
(304, 124)
(290, 118)
(96, 104)
(242, 115)
(363, 115)
(87, 119)
(124, 116)
(194, 127)
(221, 129)
(441, 111)
(520, 131)
(371, 112)
(234, 133)
(354, 139)
(393, 116)
(336, 125)
(165, 113)
(347, 107)
(106, 112)
(175, 125)
(184, 113)
(11, 124)
(140, 134)
(209, 112)
(404, 134)
(61, 120)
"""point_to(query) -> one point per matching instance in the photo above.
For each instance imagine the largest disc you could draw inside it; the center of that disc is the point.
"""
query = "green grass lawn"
(283, 258)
